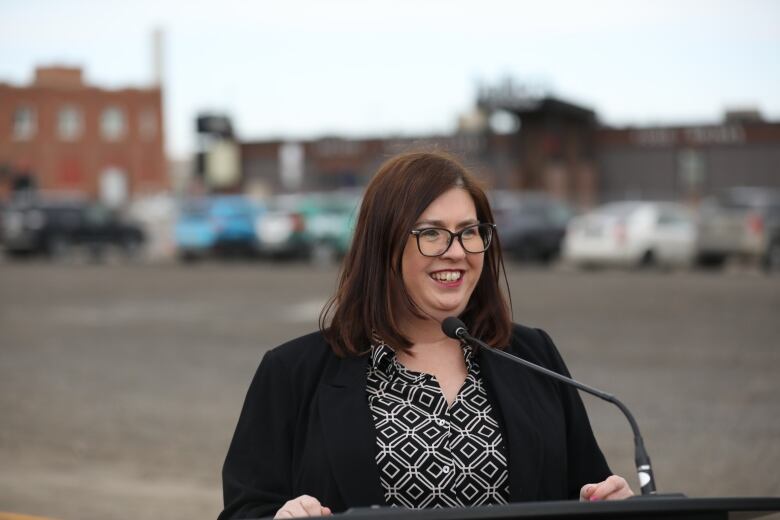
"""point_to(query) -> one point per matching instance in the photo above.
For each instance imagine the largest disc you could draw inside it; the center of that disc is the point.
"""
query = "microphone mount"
(456, 329)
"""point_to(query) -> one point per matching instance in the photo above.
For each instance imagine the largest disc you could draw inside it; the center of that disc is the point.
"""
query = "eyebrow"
(439, 223)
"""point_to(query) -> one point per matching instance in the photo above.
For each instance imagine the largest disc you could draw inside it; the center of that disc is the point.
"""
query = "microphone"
(456, 329)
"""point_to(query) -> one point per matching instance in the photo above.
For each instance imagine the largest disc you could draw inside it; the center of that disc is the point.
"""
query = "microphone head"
(453, 327)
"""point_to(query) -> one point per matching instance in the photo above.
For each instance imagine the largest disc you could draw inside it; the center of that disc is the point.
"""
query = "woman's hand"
(614, 488)
(301, 506)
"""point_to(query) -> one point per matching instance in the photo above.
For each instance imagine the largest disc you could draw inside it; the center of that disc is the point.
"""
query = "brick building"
(554, 151)
(558, 147)
(278, 166)
(59, 134)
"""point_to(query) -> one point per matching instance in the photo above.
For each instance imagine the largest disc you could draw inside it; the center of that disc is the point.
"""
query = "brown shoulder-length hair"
(371, 295)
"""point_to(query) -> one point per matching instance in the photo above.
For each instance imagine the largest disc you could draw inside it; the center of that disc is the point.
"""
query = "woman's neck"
(423, 331)
(428, 341)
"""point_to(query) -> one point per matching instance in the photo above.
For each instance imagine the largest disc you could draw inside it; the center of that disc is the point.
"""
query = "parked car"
(330, 223)
(632, 234)
(530, 225)
(742, 223)
(57, 227)
(223, 224)
(281, 229)
(315, 226)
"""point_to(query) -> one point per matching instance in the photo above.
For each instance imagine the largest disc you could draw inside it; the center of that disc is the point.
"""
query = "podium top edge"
(647, 504)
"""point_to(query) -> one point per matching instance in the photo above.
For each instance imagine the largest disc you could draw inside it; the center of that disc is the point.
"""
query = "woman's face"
(441, 286)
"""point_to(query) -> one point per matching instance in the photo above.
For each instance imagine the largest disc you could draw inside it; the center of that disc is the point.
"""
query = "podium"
(635, 508)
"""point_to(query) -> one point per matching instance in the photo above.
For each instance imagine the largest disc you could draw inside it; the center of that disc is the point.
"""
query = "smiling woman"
(412, 195)
(380, 407)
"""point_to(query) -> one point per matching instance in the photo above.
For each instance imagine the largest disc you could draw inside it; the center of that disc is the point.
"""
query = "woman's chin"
(447, 309)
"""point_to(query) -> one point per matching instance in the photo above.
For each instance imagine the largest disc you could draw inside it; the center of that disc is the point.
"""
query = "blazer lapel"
(350, 437)
(509, 392)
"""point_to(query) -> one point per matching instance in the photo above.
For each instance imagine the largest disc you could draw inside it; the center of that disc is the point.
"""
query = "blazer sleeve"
(586, 463)
(256, 476)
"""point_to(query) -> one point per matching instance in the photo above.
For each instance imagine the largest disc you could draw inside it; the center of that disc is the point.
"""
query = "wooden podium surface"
(637, 508)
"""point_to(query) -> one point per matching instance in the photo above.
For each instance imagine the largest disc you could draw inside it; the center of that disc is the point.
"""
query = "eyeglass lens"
(435, 241)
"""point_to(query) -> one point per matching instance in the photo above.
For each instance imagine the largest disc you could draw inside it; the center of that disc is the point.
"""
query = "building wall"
(76, 165)
(751, 165)
(331, 163)
(687, 163)
(560, 149)
(636, 173)
(663, 163)
(553, 152)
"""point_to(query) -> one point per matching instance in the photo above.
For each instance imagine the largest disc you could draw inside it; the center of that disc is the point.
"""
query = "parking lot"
(120, 385)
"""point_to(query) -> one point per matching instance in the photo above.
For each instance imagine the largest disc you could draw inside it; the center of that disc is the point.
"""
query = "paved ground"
(120, 385)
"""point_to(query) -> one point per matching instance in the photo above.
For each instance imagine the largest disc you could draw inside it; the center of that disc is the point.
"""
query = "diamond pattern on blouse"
(429, 454)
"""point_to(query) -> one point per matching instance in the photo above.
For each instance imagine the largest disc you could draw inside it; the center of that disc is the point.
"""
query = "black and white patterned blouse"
(430, 455)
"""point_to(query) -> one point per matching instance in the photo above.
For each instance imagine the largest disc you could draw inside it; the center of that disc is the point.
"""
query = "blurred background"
(179, 181)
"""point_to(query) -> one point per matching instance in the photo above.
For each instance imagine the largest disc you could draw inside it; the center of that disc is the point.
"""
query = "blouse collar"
(383, 359)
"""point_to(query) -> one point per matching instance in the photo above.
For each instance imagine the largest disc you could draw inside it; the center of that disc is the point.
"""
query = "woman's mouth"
(449, 278)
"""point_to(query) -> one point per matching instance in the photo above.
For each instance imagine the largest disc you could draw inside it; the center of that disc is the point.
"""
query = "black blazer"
(306, 429)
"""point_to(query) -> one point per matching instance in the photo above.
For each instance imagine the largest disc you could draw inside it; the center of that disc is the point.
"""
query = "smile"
(447, 276)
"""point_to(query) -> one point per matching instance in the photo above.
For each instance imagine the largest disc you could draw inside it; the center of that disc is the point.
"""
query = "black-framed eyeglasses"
(434, 241)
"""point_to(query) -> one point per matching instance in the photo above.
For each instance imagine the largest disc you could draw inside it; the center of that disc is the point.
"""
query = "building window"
(147, 124)
(69, 123)
(24, 123)
(112, 124)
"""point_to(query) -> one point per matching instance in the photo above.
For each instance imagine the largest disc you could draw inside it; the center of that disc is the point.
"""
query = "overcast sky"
(307, 68)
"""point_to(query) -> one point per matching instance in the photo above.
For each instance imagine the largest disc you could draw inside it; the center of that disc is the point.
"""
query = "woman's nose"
(455, 250)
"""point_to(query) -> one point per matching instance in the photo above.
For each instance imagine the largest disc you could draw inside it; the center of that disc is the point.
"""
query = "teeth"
(446, 276)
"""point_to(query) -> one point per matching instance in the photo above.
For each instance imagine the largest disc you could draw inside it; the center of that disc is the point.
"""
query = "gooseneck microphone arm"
(454, 328)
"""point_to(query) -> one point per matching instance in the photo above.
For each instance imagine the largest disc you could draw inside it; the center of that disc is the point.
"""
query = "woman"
(381, 408)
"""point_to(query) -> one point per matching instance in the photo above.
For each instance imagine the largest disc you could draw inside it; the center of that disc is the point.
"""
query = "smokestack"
(157, 57)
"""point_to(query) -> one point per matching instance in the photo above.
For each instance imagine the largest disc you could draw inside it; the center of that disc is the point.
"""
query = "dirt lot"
(120, 385)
